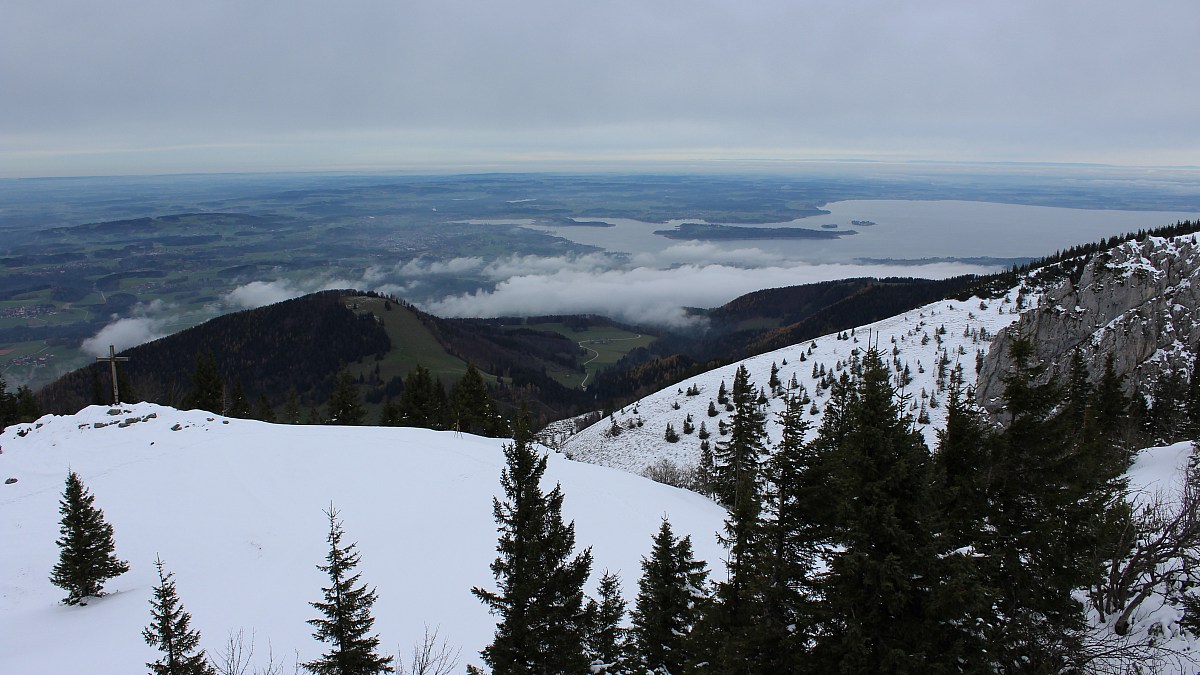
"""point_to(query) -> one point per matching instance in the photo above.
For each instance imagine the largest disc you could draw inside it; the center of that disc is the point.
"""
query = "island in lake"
(564, 221)
(862, 223)
(706, 231)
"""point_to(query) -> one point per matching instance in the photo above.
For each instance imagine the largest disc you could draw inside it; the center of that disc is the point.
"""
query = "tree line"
(423, 401)
(860, 550)
(855, 550)
(17, 407)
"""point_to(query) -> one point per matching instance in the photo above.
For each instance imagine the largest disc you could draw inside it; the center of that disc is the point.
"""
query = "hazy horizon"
(144, 88)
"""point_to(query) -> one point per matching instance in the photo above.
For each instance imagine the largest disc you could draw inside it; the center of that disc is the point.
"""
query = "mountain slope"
(1139, 301)
(303, 343)
(1153, 332)
(947, 331)
(234, 507)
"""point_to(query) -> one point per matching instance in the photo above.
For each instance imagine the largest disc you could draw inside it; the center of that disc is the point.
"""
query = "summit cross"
(112, 359)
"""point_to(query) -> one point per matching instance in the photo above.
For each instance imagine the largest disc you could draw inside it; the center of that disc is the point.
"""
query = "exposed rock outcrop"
(1139, 302)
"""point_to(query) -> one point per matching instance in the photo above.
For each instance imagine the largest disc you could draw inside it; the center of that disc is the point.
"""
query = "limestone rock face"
(1139, 302)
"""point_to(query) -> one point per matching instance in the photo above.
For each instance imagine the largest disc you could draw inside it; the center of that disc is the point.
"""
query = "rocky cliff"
(1139, 302)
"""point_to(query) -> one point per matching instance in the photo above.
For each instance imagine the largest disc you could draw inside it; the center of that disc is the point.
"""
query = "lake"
(907, 230)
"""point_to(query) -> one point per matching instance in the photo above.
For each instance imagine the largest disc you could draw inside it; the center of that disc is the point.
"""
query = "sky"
(145, 86)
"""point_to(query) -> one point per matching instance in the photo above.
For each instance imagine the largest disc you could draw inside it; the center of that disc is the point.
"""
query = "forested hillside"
(878, 517)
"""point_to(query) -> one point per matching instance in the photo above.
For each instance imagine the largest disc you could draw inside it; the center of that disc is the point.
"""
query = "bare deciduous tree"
(237, 657)
(430, 656)
(1162, 540)
(1160, 546)
(669, 473)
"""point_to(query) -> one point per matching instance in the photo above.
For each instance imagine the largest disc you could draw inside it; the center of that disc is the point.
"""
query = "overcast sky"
(145, 86)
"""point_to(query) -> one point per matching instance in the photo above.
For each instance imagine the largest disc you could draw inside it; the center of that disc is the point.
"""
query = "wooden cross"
(112, 359)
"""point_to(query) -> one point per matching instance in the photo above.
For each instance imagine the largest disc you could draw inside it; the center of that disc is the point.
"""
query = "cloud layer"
(149, 321)
(125, 333)
(239, 85)
(261, 293)
(653, 296)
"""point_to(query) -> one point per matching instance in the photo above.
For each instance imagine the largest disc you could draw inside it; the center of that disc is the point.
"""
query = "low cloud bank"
(125, 333)
(655, 296)
(648, 289)
(506, 267)
(262, 293)
(150, 321)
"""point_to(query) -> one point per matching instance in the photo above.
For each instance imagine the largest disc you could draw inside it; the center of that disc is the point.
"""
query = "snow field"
(234, 507)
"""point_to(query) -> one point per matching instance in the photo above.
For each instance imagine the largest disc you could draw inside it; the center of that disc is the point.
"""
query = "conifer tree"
(239, 405)
(263, 410)
(1100, 439)
(1168, 419)
(473, 405)
(345, 407)
(705, 472)
(539, 596)
(1045, 511)
(423, 401)
(669, 601)
(670, 435)
(8, 405)
(1193, 399)
(739, 482)
(1078, 391)
(961, 467)
(790, 540)
(292, 413)
(390, 415)
(86, 556)
(97, 390)
(208, 389)
(27, 409)
(737, 459)
(171, 632)
(1110, 414)
(605, 641)
(313, 416)
(879, 583)
(347, 621)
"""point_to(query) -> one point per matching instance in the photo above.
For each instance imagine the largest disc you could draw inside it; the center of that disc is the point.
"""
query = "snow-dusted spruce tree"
(1053, 503)
(347, 621)
(738, 458)
(605, 641)
(670, 595)
(171, 632)
(879, 588)
(86, 557)
(539, 596)
(345, 408)
(783, 575)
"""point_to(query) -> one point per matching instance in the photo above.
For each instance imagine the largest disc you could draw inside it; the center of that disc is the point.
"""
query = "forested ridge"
(854, 547)
(295, 345)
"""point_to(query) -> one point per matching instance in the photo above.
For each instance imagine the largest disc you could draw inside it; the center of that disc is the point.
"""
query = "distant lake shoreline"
(901, 230)
(710, 232)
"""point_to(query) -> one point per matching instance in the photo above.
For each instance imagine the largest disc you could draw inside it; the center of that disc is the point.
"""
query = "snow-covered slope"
(1157, 476)
(947, 332)
(1137, 302)
(234, 508)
